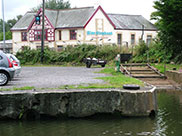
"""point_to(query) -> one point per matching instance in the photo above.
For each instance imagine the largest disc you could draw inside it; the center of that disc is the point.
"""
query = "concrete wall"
(175, 76)
(76, 103)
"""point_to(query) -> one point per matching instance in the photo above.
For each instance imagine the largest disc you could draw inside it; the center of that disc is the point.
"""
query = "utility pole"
(42, 38)
(4, 38)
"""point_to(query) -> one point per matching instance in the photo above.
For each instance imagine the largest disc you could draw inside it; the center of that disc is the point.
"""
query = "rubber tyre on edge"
(131, 87)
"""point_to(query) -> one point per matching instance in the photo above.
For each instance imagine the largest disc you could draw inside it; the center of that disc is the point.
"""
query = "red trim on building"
(80, 27)
(103, 13)
(34, 19)
(49, 21)
(40, 10)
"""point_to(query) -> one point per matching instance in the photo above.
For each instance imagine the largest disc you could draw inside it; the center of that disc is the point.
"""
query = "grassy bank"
(113, 80)
(160, 66)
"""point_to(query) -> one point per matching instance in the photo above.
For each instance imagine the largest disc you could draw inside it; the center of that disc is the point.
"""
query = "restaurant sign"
(99, 33)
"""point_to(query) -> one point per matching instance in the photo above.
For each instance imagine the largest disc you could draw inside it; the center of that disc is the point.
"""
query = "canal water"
(168, 122)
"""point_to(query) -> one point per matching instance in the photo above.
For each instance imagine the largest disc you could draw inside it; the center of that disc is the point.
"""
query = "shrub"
(68, 55)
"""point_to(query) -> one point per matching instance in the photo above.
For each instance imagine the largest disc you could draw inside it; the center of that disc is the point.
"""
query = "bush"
(155, 52)
(69, 54)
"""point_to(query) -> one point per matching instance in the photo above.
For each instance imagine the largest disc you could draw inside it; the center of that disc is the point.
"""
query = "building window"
(38, 34)
(59, 35)
(149, 39)
(119, 39)
(59, 48)
(38, 47)
(132, 39)
(24, 36)
(72, 34)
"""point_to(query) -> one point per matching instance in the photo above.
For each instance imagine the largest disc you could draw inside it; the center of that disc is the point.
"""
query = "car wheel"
(88, 64)
(4, 78)
(103, 65)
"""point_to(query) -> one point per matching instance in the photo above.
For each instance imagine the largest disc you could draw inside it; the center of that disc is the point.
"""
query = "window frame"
(39, 30)
(71, 36)
(120, 39)
(60, 35)
(24, 36)
(148, 39)
(133, 40)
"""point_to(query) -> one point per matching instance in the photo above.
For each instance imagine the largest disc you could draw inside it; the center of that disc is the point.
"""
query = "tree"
(169, 23)
(54, 4)
(8, 25)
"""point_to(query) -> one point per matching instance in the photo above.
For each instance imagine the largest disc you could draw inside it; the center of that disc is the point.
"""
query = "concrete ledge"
(34, 104)
(175, 76)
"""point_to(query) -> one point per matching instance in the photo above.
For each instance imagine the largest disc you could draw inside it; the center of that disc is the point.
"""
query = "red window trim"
(22, 34)
(71, 38)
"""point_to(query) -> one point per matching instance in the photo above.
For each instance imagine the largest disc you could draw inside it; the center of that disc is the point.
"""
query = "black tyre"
(131, 87)
(103, 65)
(88, 64)
(4, 78)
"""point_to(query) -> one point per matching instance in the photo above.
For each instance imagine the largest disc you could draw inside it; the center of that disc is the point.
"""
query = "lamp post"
(42, 37)
(4, 36)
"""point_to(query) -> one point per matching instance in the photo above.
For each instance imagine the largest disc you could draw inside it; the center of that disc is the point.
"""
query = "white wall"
(65, 37)
(16, 41)
(126, 35)
(91, 26)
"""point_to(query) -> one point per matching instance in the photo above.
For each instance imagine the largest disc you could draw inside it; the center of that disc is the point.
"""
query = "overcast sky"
(135, 7)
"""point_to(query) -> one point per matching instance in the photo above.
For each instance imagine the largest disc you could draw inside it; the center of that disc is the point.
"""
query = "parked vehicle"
(7, 70)
(16, 63)
(89, 61)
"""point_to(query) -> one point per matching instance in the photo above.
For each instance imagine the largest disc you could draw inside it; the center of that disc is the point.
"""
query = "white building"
(81, 25)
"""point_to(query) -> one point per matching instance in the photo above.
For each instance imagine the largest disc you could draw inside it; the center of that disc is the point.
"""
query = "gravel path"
(53, 77)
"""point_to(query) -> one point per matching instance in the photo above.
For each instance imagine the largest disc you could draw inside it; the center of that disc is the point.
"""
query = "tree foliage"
(8, 25)
(169, 23)
(54, 4)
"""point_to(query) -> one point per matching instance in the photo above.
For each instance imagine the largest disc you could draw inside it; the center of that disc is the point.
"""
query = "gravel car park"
(53, 77)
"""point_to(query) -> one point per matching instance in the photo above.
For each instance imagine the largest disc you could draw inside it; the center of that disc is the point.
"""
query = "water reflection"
(167, 123)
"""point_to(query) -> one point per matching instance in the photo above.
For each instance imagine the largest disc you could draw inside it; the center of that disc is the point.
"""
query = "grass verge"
(114, 80)
(160, 66)
(17, 88)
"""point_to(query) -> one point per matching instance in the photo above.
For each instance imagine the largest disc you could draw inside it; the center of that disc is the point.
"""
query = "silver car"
(7, 70)
(16, 63)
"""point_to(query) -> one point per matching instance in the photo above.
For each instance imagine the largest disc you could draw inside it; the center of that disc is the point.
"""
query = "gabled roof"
(131, 22)
(74, 17)
(66, 18)
(80, 17)
(24, 22)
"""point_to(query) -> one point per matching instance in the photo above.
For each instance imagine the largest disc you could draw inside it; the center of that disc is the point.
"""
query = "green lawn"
(113, 80)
